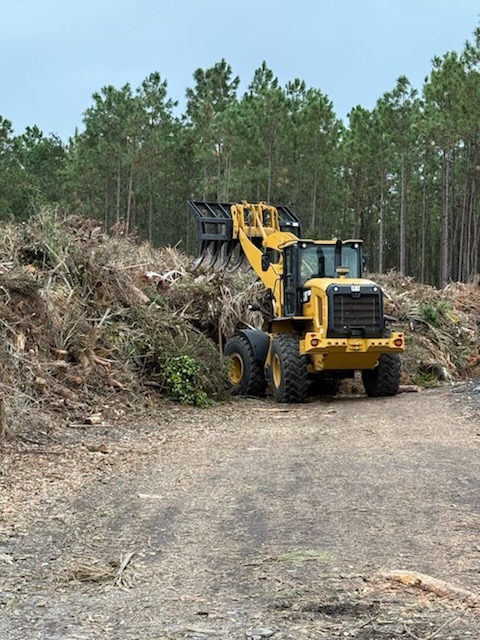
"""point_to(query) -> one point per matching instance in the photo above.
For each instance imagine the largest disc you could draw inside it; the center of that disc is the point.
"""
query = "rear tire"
(245, 372)
(288, 369)
(384, 380)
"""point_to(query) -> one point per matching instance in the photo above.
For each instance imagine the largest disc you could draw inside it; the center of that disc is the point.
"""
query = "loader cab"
(322, 260)
(307, 259)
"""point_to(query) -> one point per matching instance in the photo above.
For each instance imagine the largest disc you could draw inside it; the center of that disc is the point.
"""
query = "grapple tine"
(214, 228)
(210, 257)
(244, 264)
(236, 257)
(206, 256)
(228, 253)
(224, 254)
(197, 263)
(216, 254)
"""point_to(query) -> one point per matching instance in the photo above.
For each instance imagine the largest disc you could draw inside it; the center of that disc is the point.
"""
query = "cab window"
(318, 261)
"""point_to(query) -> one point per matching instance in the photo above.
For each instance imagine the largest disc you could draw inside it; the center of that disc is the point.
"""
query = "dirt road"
(248, 519)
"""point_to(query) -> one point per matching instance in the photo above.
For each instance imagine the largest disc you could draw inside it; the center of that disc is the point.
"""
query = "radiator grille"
(356, 314)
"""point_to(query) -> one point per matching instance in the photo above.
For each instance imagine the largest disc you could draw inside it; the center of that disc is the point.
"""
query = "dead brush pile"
(89, 318)
(80, 322)
(442, 327)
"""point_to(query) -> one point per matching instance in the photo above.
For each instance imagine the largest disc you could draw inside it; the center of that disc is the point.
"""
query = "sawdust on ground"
(244, 520)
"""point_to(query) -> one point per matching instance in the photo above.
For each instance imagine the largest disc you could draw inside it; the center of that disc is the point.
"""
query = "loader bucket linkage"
(218, 248)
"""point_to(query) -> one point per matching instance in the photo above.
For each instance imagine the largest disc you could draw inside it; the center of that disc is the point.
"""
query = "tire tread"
(295, 379)
(384, 380)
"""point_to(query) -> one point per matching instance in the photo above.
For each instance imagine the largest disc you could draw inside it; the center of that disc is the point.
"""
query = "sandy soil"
(248, 519)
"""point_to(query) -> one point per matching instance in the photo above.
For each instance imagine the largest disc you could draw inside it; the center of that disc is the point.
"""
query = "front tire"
(288, 369)
(245, 372)
(384, 380)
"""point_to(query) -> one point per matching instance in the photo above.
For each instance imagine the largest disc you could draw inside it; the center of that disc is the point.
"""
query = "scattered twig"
(410, 633)
(123, 565)
(431, 635)
(27, 439)
(447, 623)
(93, 571)
(367, 622)
(47, 435)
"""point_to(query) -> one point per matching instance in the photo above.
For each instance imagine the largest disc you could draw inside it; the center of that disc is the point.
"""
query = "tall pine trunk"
(117, 212)
(150, 210)
(313, 217)
(129, 199)
(381, 224)
(106, 205)
(424, 229)
(358, 205)
(462, 258)
(403, 216)
(444, 245)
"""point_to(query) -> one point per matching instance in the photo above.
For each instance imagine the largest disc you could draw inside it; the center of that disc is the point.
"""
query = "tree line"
(404, 176)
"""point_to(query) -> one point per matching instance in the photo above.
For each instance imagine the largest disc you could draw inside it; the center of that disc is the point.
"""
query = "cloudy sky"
(54, 54)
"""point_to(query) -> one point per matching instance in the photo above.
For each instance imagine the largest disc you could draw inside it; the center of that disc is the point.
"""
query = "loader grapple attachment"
(218, 248)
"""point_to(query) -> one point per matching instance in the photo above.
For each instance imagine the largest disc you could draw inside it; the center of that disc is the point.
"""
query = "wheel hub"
(235, 369)
(276, 371)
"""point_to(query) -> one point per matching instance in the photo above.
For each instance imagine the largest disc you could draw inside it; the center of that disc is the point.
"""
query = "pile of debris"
(87, 317)
(81, 322)
(442, 327)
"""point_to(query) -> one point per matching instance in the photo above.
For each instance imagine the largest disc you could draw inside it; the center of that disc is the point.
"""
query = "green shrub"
(438, 312)
(181, 380)
(430, 313)
(426, 379)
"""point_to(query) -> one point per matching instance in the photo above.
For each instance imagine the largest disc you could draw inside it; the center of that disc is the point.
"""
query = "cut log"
(409, 388)
(432, 585)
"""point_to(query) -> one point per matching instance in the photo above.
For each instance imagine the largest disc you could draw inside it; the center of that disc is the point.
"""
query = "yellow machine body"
(327, 320)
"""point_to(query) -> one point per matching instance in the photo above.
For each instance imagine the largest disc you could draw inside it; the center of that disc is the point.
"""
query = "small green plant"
(434, 313)
(426, 379)
(430, 313)
(181, 380)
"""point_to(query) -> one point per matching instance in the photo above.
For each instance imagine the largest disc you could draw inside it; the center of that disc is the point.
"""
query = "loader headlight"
(314, 342)
(398, 342)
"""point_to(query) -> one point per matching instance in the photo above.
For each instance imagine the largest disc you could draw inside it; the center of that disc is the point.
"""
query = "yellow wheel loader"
(327, 320)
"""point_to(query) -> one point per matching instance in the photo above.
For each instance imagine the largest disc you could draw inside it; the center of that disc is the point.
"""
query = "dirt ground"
(246, 520)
